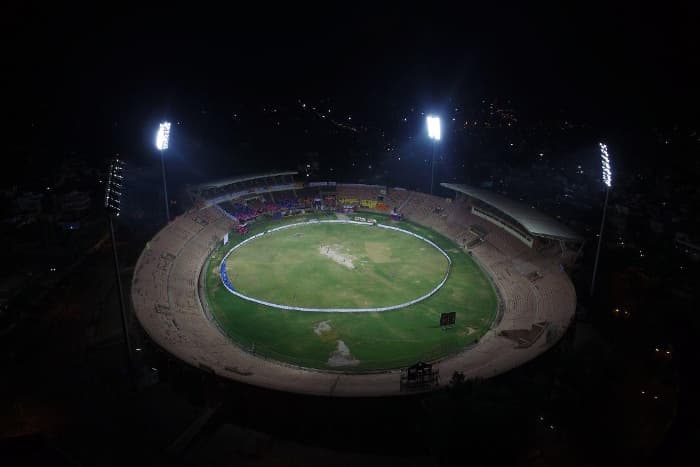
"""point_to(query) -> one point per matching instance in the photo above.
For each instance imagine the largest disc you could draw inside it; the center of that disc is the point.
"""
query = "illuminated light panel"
(113, 189)
(605, 165)
(433, 127)
(163, 136)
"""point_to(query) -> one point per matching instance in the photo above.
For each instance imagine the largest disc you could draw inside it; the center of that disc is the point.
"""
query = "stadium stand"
(396, 197)
(359, 192)
(536, 297)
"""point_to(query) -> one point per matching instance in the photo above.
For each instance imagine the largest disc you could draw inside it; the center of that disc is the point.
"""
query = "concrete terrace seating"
(506, 243)
(395, 197)
(360, 192)
(435, 212)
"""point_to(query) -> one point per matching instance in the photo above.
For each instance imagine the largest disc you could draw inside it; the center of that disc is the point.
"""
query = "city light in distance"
(433, 127)
(605, 165)
(163, 136)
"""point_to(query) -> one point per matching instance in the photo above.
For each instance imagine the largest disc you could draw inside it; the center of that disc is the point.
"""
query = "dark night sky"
(83, 70)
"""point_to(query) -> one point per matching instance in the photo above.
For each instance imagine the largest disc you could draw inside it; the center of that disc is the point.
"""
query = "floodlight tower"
(607, 180)
(162, 141)
(113, 194)
(434, 134)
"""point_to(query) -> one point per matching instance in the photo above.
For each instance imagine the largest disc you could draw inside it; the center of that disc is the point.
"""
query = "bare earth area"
(323, 326)
(333, 252)
(342, 356)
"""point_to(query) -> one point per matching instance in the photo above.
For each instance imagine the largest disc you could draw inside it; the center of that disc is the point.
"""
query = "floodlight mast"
(162, 142)
(607, 181)
(434, 134)
(113, 192)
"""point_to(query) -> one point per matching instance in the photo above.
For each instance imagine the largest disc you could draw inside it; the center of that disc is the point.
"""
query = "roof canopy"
(535, 222)
(245, 178)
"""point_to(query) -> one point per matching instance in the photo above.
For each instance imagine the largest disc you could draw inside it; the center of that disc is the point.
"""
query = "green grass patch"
(336, 266)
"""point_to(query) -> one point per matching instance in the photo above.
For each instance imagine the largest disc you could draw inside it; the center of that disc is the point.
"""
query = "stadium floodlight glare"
(163, 136)
(605, 164)
(433, 127)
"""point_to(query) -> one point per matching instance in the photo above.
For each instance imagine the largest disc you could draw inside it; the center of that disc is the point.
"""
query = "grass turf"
(374, 341)
(336, 266)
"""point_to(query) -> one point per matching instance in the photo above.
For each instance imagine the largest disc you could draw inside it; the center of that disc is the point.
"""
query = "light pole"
(607, 180)
(162, 140)
(113, 194)
(434, 134)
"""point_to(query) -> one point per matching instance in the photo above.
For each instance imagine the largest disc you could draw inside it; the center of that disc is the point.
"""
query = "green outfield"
(348, 266)
(336, 266)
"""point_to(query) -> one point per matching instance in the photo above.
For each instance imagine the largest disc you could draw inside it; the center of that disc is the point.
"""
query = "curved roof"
(533, 221)
(245, 178)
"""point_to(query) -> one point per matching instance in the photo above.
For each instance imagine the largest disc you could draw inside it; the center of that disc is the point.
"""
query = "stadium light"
(163, 136)
(434, 134)
(605, 164)
(114, 187)
(607, 181)
(162, 142)
(433, 127)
